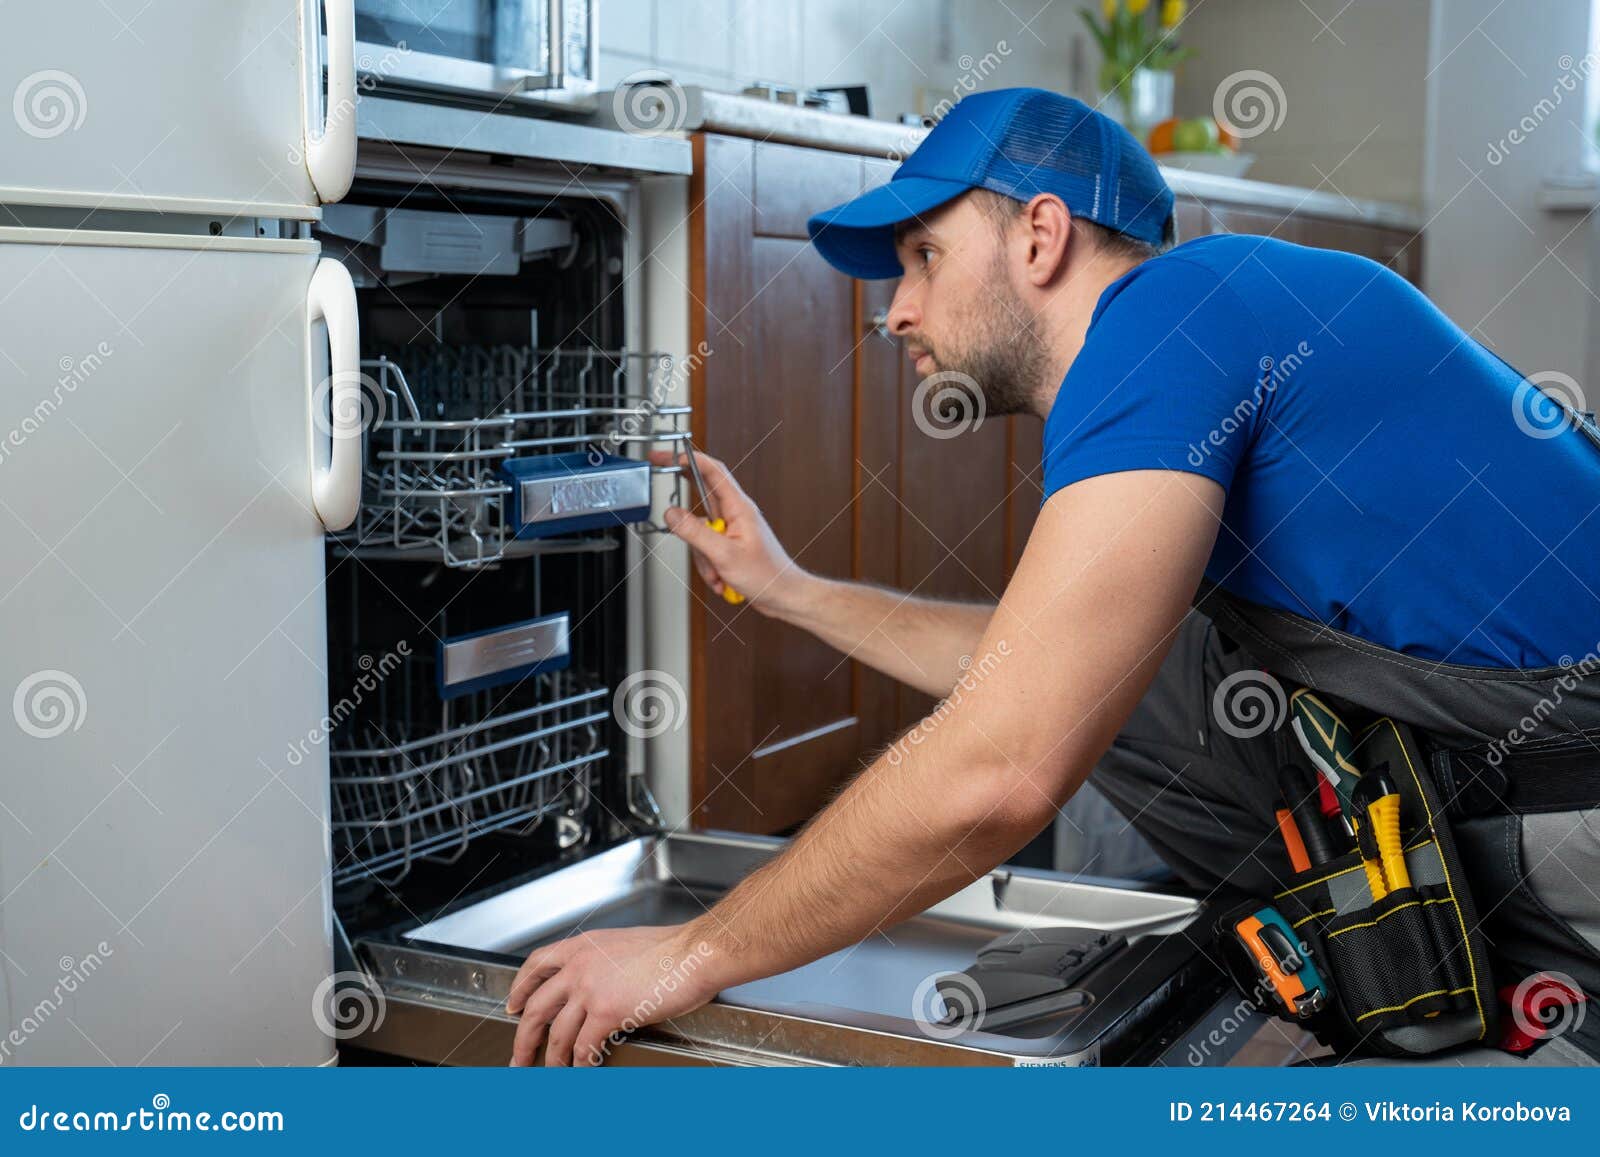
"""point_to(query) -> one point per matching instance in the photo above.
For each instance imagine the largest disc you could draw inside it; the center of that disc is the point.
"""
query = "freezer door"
(182, 105)
(164, 848)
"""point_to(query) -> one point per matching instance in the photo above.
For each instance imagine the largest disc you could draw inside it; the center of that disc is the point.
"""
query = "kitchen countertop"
(708, 110)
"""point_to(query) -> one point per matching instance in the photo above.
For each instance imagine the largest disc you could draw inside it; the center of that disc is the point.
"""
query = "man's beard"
(999, 349)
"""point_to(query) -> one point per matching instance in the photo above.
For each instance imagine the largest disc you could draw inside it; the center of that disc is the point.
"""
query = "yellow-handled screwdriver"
(713, 520)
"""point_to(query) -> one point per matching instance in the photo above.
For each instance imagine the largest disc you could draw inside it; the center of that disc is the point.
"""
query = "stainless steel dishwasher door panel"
(859, 1005)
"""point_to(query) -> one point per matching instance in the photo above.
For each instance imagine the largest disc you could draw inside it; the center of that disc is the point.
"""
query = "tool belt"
(1538, 777)
(1377, 958)
(1407, 973)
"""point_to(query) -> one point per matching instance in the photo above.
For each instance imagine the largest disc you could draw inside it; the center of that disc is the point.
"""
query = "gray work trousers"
(1204, 799)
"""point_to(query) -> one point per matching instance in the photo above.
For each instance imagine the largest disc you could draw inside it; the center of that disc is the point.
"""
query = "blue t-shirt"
(1378, 477)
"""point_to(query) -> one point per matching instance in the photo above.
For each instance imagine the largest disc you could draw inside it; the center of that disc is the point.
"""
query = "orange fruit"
(1161, 136)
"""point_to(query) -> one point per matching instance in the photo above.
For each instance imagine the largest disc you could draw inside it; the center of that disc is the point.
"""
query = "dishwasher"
(485, 612)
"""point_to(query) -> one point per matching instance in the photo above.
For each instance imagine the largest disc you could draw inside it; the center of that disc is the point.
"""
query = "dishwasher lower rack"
(440, 425)
(424, 776)
(438, 989)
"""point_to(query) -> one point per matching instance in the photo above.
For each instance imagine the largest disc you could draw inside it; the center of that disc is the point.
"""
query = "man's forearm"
(918, 641)
(882, 852)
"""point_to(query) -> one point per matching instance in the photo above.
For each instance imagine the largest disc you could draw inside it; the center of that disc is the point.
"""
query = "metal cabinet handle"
(557, 33)
(336, 487)
(879, 321)
(555, 74)
(331, 146)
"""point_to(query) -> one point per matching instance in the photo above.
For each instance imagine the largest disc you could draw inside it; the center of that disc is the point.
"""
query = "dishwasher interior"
(477, 616)
(483, 610)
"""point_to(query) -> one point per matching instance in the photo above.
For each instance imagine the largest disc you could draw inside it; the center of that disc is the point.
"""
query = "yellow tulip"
(1172, 12)
(1137, 7)
(1109, 7)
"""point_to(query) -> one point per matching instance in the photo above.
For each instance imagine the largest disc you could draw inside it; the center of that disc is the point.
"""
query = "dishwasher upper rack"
(441, 421)
(420, 778)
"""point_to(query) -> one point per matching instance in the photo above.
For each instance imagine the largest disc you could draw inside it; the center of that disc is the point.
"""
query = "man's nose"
(904, 316)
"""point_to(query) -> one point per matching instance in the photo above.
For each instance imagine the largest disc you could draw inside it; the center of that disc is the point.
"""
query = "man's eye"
(926, 255)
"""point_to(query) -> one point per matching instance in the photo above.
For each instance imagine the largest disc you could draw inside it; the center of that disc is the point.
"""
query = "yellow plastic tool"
(1378, 804)
(1375, 884)
(716, 523)
(1383, 814)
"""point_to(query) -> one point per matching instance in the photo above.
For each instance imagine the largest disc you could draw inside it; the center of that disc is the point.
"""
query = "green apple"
(1195, 136)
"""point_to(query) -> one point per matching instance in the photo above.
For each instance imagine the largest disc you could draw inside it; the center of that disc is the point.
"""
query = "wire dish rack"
(416, 777)
(442, 419)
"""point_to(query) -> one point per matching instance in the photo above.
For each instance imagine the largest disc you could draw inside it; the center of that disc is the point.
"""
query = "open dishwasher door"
(441, 986)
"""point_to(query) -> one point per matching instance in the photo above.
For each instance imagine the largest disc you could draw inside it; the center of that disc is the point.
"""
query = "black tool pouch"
(1407, 974)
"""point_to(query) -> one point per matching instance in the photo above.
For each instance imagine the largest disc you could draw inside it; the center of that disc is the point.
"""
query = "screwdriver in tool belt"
(713, 520)
(1327, 743)
(1300, 793)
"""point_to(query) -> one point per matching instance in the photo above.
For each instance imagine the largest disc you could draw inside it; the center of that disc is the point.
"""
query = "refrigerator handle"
(340, 411)
(331, 146)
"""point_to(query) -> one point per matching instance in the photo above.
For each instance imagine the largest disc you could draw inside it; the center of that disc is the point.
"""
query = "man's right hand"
(747, 556)
(920, 641)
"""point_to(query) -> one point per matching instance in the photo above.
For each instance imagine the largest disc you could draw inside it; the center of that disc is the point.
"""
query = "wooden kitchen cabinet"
(1399, 249)
(812, 404)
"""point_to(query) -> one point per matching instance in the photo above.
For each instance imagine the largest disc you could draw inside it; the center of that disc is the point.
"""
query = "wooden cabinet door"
(774, 723)
(963, 503)
(1399, 249)
(1193, 219)
(1264, 222)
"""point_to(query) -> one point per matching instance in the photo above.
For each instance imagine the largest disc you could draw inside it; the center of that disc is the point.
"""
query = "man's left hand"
(577, 996)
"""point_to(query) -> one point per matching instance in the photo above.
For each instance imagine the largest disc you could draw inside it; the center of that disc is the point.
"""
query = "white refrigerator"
(169, 460)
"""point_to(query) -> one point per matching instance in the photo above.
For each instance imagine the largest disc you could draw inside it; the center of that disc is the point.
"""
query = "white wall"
(1517, 277)
(911, 52)
(1354, 79)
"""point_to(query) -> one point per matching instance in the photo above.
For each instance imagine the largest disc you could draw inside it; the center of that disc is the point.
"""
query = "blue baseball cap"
(1018, 142)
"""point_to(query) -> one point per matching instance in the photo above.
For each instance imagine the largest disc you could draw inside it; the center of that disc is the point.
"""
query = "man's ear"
(1047, 227)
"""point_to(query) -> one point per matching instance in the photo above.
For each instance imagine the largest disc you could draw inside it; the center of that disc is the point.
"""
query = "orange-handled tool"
(713, 520)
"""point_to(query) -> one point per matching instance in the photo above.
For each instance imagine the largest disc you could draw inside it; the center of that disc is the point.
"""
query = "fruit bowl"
(1222, 164)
